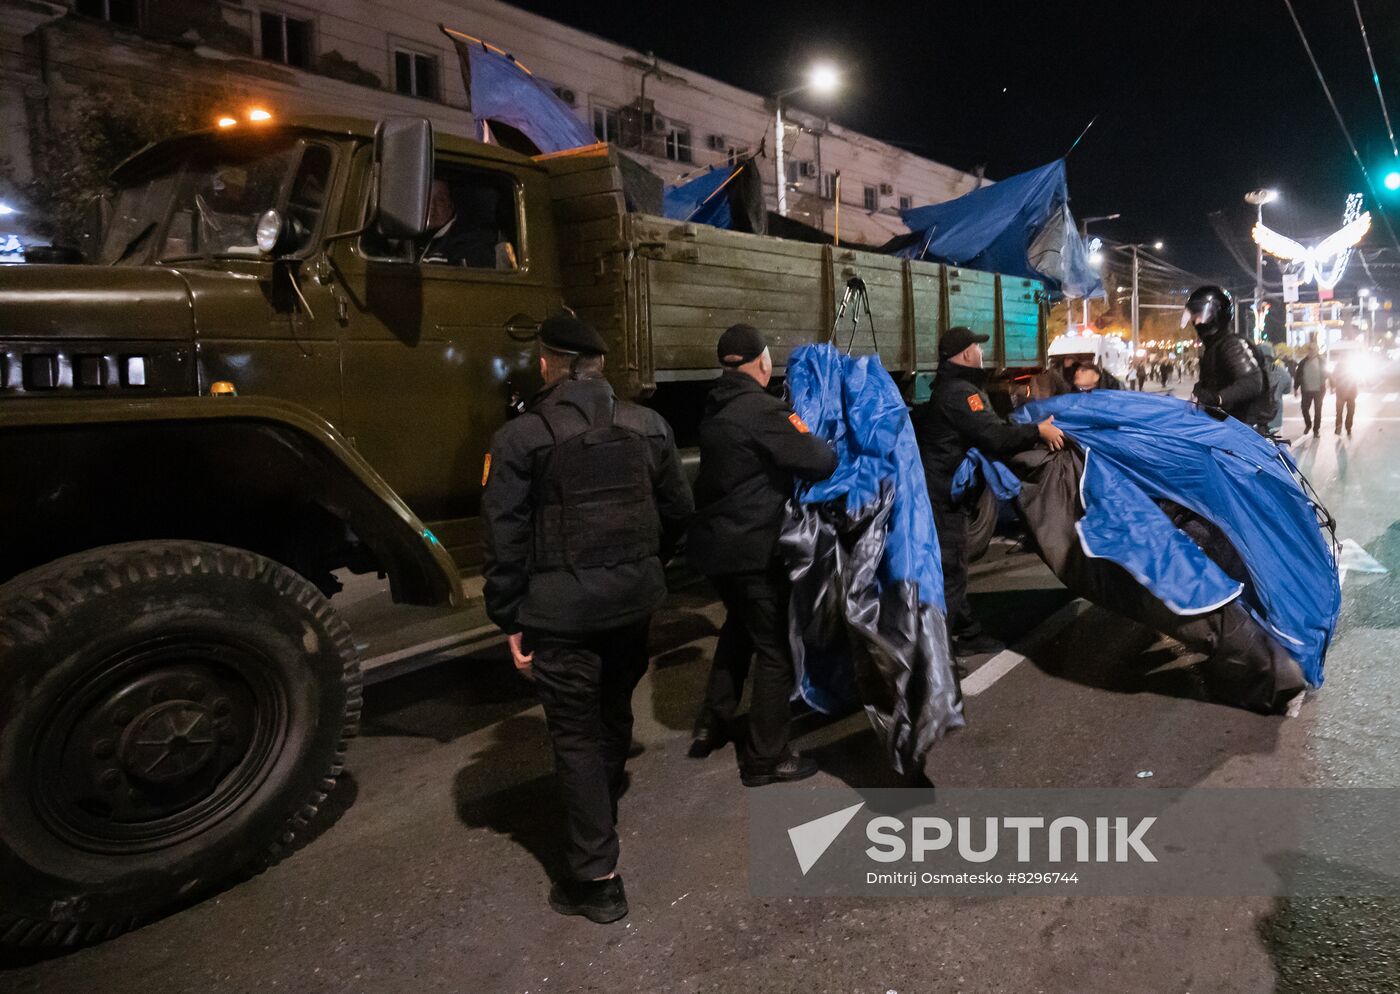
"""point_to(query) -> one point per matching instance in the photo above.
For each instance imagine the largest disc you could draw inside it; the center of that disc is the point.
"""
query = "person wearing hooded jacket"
(752, 446)
(1230, 379)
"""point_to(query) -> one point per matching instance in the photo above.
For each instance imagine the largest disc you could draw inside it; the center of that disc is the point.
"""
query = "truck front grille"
(105, 368)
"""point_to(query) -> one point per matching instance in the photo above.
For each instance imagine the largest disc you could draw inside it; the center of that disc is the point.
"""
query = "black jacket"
(751, 447)
(1229, 368)
(958, 416)
(592, 599)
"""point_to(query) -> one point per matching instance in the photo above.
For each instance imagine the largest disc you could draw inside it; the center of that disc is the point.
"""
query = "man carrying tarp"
(752, 445)
(957, 417)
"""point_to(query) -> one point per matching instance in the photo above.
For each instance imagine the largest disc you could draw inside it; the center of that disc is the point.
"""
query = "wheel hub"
(169, 741)
(156, 743)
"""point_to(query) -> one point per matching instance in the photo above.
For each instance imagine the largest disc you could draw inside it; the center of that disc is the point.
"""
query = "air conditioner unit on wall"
(808, 169)
(567, 95)
(658, 125)
(716, 143)
(886, 189)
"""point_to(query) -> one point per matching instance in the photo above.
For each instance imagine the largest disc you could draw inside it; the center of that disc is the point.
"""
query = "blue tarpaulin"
(1138, 449)
(867, 606)
(501, 89)
(699, 198)
(1019, 226)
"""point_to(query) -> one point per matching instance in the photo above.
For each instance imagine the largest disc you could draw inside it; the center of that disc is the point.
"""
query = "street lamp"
(1157, 246)
(1095, 257)
(1259, 198)
(823, 79)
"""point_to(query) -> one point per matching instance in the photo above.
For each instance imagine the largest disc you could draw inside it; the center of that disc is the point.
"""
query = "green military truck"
(279, 366)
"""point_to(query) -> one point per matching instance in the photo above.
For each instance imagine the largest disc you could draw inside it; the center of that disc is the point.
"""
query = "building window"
(828, 186)
(678, 143)
(122, 12)
(416, 74)
(607, 125)
(286, 39)
(734, 153)
(872, 198)
(906, 202)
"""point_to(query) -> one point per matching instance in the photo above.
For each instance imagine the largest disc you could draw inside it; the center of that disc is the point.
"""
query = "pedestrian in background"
(1139, 374)
(583, 501)
(958, 416)
(1280, 383)
(752, 446)
(1344, 383)
(1311, 381)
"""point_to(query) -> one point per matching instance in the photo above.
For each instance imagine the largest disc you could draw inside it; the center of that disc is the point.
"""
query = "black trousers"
(1349, 405)
(755, 633)
(950, 521)
(1312, 411)
(585, 683)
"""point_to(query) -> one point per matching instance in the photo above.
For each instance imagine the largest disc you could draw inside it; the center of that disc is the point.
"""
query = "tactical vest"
(594, 501)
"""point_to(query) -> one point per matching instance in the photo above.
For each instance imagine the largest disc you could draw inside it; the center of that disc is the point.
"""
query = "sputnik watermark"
(818, 841)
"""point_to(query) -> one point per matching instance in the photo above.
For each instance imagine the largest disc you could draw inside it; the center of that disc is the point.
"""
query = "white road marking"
(1007, 660)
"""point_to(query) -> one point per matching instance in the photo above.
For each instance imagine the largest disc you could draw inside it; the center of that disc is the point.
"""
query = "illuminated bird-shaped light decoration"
(1327, 260)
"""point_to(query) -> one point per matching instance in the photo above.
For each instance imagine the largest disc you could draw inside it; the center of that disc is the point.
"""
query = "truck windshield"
(207, 202)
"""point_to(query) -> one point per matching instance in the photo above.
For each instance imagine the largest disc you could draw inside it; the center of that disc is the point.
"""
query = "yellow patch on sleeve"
(486, 469)
(974, 401)
(799, 424)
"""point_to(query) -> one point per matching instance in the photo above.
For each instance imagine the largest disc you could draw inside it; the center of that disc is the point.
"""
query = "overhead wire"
(1327, 92)
(1376, 78)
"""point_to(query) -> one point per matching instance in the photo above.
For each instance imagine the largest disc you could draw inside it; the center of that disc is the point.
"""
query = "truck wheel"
(981, 523)
(171, 714)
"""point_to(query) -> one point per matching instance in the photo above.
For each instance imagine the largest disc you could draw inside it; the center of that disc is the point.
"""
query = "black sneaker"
(792, 767)
(977, 645)
(708, 736)
(600, 901)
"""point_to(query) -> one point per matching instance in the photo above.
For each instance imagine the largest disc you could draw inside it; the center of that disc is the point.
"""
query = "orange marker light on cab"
(227, 122)
(222, 388)
(258, 114)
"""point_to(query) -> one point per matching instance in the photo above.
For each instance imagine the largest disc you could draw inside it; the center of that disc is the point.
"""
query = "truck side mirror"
(403, 160)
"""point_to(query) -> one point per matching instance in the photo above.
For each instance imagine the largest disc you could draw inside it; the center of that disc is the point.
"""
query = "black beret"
(739, 344)
(956, 339)
(566, 333)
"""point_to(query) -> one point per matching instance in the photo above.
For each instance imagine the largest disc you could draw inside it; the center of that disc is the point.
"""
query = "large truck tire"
(172, 714)
(981, 524)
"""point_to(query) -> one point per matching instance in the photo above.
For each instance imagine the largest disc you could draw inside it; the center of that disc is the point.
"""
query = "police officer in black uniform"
(752, 445)
(1231, 378)
(958, 416)
(584, 499)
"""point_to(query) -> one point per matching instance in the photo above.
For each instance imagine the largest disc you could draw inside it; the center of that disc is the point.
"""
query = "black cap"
(956, 339)
(739, 344)
(566, 333)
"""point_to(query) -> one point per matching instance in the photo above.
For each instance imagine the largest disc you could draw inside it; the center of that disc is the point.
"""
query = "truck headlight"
(269, 231)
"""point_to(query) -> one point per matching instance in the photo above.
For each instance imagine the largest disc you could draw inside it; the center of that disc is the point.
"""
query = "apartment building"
(376, 57)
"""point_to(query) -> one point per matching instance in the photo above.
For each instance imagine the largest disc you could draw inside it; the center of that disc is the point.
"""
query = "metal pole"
(1258, 283)
(1135, 301)
(778, 156)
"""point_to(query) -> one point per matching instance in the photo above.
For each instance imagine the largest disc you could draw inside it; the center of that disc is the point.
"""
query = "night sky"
(1197, 102)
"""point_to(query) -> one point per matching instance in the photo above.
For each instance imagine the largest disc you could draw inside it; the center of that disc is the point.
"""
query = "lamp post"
(1084, 234)
(1137, 270)
(1259, 198)
(822, 79)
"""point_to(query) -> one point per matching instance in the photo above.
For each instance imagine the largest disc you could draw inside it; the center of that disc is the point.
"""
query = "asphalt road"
(432, 872)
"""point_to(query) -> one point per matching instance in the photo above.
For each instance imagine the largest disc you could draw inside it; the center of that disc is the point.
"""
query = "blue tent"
(1243, 500)
(700, 199)
(1020, 226)
(867, 606)
(501, 89)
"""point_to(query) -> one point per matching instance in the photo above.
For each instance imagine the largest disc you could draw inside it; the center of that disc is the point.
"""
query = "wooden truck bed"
(661, 291)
